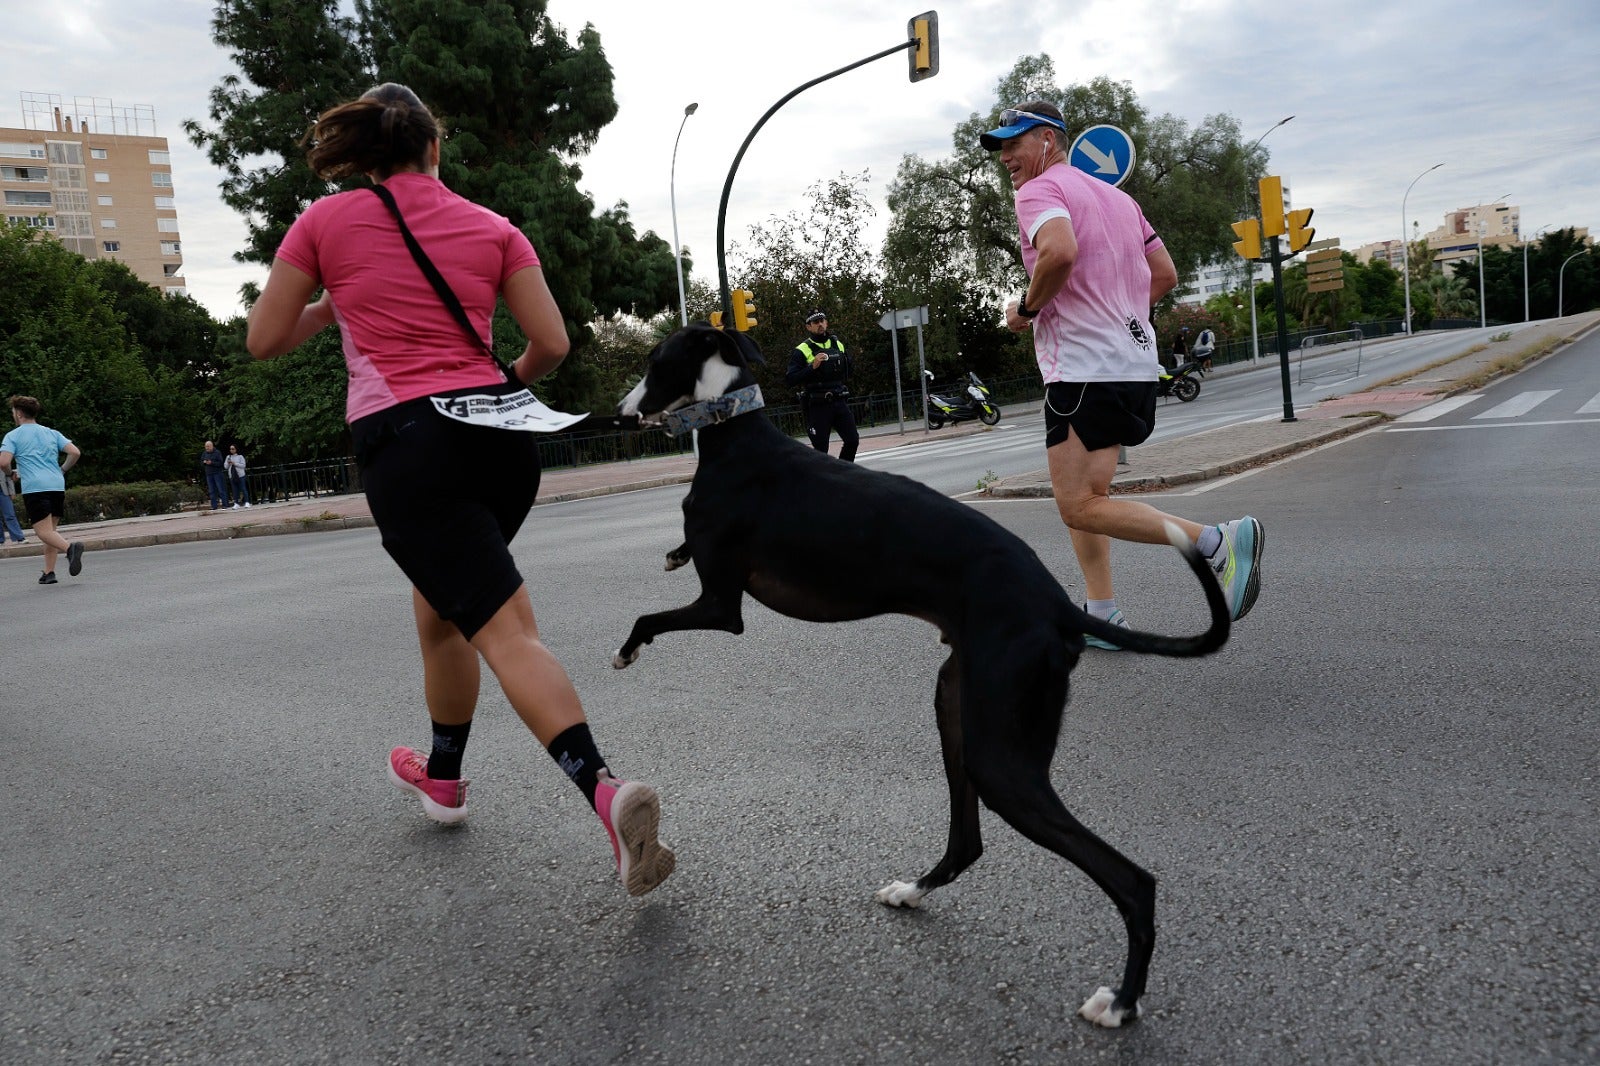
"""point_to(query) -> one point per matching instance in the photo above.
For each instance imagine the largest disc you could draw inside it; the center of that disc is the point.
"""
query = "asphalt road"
(1373, 815)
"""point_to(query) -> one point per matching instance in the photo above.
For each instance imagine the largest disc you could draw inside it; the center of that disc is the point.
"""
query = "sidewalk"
(322, 513)
(1183, 460)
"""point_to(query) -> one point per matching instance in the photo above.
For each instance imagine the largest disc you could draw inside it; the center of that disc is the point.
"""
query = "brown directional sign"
(1325, 270)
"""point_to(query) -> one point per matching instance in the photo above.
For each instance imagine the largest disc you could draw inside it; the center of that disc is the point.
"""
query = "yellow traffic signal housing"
(924, 54)
(716, 320)
(1300, 231)
(1271, 206)
(744, 310)
(1249, 243)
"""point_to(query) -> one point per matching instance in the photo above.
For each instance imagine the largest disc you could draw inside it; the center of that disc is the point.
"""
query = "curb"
(147, 540)
(1132, 483)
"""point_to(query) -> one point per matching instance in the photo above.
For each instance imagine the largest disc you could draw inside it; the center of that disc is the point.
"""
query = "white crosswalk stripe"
(1519, 404)
(1592, 407)
(1443, 407)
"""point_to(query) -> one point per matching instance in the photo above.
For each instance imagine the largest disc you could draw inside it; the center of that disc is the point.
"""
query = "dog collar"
(710, 412)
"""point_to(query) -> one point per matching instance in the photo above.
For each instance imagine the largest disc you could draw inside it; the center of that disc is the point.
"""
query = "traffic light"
(716, 320)
(1271, 206)
(744, 310)
(924, 55)
(1300, 233)
(1249, 243)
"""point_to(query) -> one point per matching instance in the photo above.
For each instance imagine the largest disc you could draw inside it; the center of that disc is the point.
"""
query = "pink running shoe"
(443, 801)
(631, 813)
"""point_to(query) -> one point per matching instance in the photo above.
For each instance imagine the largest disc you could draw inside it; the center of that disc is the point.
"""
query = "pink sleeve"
(299, 247)
(1034, 200)
(519, 253)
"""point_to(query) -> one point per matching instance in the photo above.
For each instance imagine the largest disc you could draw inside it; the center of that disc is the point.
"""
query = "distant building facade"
(1456, 240)
(98, 179)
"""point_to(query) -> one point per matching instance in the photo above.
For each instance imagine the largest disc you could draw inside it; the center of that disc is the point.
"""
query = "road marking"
(1500, 425)
(1518, 405)
(1443, 407)
(1591, 408)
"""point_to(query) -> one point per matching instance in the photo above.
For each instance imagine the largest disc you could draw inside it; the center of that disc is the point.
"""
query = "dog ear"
(738, 349)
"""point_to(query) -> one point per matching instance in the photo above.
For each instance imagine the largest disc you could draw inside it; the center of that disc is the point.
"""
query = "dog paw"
(674, 560)
(620, 661)
(1101, 1009)
(899, 894)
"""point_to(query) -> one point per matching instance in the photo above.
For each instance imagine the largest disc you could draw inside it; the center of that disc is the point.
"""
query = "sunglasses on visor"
(1011, 116)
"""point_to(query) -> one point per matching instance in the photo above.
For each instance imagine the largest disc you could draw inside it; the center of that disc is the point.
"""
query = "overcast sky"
(1502, 94)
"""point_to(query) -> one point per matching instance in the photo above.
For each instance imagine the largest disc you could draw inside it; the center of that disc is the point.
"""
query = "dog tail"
(1155, 643)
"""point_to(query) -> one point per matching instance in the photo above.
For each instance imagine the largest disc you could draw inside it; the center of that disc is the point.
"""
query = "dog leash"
(710, 412)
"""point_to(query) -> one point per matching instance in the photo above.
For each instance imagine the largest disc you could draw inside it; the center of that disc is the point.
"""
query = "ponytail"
(385, 130)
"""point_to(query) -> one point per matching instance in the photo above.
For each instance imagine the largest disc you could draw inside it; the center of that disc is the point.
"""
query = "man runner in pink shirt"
(1095, 268)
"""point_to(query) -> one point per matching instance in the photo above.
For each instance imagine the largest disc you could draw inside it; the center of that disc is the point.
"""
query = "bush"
(92, 503)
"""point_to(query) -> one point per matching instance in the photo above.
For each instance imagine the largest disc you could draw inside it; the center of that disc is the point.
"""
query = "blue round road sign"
(1103, 152)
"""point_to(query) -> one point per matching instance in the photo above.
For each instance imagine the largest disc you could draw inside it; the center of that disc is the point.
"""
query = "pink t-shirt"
(400, 341)
(1098, 326)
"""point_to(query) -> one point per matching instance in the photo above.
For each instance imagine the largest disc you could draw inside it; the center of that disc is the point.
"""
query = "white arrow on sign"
(1104, 162)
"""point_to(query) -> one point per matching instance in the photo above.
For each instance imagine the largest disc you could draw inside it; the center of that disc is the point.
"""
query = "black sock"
(579, 759)
(449, 741)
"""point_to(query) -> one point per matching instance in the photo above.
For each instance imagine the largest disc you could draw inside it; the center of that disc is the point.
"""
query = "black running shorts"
(1104, 414)
(42, 505)
(447, 498)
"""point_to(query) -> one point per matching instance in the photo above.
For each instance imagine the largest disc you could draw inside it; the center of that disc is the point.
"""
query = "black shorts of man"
(818, 367)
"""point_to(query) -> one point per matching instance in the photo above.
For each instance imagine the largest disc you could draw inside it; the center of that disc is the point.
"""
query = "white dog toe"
(899, 894)
(622, 662)
(1099, 1009)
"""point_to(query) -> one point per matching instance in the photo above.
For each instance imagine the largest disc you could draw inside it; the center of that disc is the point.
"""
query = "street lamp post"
(1255, 344)
(1525, 307)
(1483, 297)
(1405, 245)
(1561, 282)
(677, 254)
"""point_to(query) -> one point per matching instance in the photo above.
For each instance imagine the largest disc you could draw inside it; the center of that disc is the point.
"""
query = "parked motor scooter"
(976, 404)
(1183, 382)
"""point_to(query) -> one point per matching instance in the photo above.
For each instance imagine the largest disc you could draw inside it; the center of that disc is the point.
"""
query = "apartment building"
(97, 178)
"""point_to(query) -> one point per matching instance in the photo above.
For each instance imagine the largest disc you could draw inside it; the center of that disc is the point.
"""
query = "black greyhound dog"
(904, 549)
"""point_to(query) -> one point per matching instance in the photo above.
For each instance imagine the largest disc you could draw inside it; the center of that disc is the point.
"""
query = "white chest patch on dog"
(715, 378)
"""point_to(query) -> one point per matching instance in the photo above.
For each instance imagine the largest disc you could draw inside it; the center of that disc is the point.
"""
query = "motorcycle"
(1182, 382)
(976, 404)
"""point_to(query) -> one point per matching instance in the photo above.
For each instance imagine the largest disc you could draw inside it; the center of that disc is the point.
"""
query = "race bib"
(518, 410)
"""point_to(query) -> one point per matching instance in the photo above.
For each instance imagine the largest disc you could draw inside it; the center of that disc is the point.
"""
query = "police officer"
(818, 367)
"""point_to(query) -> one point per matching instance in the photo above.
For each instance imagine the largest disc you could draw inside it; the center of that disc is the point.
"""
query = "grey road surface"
(1372, 815)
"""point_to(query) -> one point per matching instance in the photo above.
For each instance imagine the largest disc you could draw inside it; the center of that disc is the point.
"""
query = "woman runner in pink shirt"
(403, 348)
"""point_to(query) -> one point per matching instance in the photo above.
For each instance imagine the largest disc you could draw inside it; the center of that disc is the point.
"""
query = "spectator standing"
(8, 513)
(234, 464)
(212, 461)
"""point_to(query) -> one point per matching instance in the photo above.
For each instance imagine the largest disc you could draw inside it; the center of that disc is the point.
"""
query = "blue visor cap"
(993, 140)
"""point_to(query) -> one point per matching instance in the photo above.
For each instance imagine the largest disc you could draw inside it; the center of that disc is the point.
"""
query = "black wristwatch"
(1022, 307)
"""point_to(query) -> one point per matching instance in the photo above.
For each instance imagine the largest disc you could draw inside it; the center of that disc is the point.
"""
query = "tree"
(518, 103)
(816, 258)
(954, 217)
(62, 341)
(301, 58)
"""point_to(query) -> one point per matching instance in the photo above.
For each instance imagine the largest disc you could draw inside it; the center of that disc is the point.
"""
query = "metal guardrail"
(1314, 340)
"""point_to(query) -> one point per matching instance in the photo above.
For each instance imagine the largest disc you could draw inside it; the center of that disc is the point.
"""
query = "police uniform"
(821, 384)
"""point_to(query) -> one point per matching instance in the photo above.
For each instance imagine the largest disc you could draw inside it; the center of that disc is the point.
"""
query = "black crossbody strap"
(435, 278)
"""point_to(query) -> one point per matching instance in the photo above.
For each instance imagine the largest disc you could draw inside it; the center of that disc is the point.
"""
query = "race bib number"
(518, 410)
